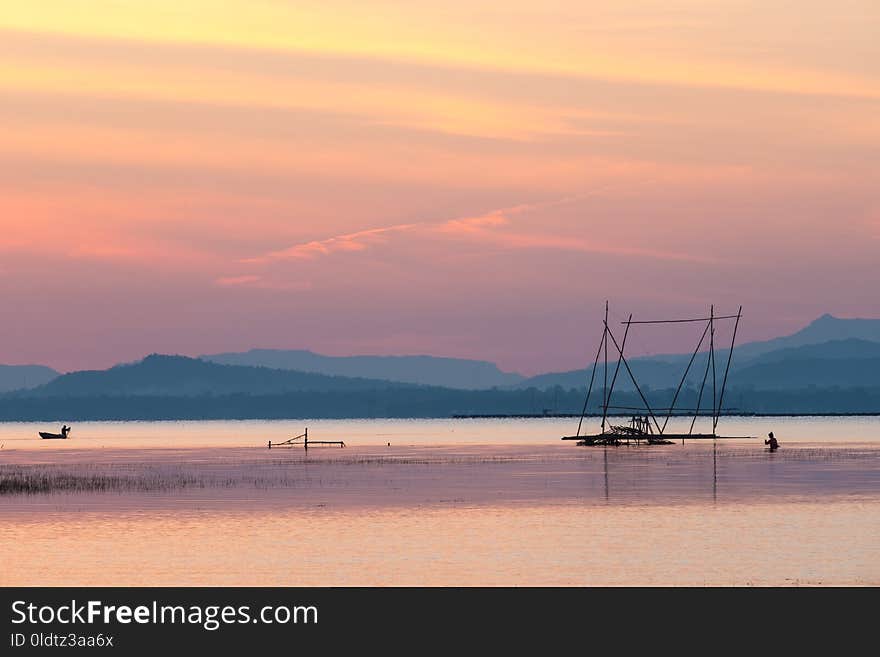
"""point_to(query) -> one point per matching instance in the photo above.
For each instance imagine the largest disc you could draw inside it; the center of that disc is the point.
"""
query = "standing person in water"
(774, 444)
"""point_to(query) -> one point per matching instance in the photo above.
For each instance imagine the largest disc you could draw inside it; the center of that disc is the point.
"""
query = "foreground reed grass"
(20, 480)
(632, 472)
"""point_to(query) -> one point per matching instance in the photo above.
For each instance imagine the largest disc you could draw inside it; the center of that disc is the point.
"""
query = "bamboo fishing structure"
(646, 427)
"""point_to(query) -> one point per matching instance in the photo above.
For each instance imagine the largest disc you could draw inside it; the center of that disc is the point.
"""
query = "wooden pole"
(683, 378)
(700, 395)
(681, 321)
(712, 349)
(635, 383)
(616, 370)
(592, 378)
(727, 369)
(605, 386)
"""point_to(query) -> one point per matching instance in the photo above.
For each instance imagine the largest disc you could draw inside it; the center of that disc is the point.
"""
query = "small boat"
(47, 436)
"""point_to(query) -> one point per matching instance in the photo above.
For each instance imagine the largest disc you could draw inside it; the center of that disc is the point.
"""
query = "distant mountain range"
(797, 360)
(824, 329)
(17, 377)
(179, 376)
(829, 366)
(838, 363)
(425, 370)
(833, 350)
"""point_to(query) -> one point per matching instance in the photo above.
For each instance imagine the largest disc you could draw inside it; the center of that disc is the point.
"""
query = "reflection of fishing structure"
(605, 470)
(303, 441)
(646, 427)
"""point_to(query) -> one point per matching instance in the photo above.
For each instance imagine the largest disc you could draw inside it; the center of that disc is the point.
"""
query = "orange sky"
(456, 178)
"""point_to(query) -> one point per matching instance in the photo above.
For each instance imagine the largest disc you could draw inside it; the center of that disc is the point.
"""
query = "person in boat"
(774, 444)
(65, 430)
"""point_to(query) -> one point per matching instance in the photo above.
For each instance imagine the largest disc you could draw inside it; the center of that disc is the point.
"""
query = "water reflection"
(456, 545)
(443, 514)
(605, 458)
(714, 470)
(478, 474)
(253, 433)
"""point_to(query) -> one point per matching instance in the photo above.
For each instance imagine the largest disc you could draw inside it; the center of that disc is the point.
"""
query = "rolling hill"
(795, 358)
(457, 373)
(180, 376)
(826, 328)
(19, 377)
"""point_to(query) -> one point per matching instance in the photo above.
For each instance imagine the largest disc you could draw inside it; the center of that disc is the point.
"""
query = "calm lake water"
(245, 433)
(449, 502)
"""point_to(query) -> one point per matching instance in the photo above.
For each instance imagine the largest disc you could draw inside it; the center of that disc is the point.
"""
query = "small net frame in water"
(303, 441)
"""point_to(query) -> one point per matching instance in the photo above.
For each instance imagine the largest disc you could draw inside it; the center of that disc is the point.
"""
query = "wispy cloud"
(358, 241)
(473, 225)
(252, 281)
(124, 249)
(495, 229)
(560, 243)
(490, 228)
(236, 281)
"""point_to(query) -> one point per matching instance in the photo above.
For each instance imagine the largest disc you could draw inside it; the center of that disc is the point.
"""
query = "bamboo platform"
(648, 439)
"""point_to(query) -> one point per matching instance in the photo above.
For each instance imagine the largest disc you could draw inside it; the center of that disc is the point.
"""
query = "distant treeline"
(419, 402)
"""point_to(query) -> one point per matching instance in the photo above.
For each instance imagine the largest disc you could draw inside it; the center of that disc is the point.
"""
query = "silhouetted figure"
(65, 430)
(774, 444)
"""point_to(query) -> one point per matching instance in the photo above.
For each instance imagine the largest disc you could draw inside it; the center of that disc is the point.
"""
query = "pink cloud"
(535, 241)
(103, 251)
(494, 229)
(358, 241)
(364, 239)
(472, 225)
(236, 281)
(485, 228)
(259, 282)
(128, 251)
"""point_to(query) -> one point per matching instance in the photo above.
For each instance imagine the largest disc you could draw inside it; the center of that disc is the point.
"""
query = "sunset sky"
(466, 179)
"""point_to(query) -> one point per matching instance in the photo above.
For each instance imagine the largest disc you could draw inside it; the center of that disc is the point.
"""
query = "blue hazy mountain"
(649, 373)
(850, 343)
(837, 375)
(160, 375)
(425, 370)
(826, 328)
(794, 374)
(846, 363)
(17, 377)
(851, 348)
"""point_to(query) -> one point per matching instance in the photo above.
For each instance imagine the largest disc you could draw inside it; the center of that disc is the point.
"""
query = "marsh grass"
(32, 480)
(657, 468)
